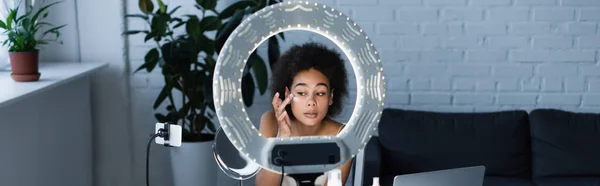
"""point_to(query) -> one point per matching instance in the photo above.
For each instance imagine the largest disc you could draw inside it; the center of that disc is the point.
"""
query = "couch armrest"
(372, 161)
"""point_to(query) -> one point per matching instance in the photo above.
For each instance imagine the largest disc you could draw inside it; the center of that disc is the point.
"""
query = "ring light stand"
(326, 152)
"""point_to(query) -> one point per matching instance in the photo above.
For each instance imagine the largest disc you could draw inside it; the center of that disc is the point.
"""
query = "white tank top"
(289, 181)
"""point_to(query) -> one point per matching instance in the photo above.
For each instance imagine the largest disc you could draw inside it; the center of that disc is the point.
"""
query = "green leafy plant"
(24, 32)
(187, 60)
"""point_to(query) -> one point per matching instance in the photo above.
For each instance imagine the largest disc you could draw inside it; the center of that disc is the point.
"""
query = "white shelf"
(52, 75)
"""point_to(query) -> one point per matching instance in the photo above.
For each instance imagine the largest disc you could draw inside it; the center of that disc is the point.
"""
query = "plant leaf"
(179, 20)
(193, 27)
(52, 30)
(273, 51)
(207, 45)
(248, 90)
(211, 126)
(228, 12)
(179, 24)
(146, 6)
(26, 15)
(162, 7)
(228, 29)
(282, 36)
(177, 86)
(207, 4)
(163, 95)
(172, 117)
(185, 109)
(159, 25)
(137, 16)
(35, 16)
(20, 42)
(208, 92)
(161, 118)
(2, 24)
(149, 36)
(39, 25)
(25, 24)
(210, 63)
(174, 9)
(210, 23)
(151, 59)
(200, 122)
(133, 32)
(261, 5)
(143, 66)
(260, 72)
(170, 108)
(10, 18)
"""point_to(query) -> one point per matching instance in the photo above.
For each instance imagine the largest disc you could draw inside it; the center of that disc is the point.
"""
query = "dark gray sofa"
(545, 147)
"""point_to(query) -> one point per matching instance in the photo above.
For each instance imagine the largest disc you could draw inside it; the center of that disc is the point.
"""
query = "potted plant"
(24, 37)
(187, 63)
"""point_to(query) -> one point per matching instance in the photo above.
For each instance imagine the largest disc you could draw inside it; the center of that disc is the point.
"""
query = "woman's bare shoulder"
(268, 115)
(335, 127)
(268, 124)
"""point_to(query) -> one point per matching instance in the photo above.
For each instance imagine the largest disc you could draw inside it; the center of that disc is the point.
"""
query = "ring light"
(307, 154)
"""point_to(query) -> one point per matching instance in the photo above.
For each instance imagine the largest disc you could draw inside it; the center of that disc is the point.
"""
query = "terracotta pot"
(24, 66)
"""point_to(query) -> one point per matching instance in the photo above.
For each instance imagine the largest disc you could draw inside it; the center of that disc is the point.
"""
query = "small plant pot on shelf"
(24, 66)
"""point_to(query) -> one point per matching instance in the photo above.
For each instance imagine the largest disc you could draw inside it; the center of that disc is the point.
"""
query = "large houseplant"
(25, 35)
(187, 63)
(187, 60)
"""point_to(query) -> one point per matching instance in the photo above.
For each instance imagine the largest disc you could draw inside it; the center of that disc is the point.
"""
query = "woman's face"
(312, 97)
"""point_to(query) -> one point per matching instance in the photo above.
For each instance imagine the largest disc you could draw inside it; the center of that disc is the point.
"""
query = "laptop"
(466, 176)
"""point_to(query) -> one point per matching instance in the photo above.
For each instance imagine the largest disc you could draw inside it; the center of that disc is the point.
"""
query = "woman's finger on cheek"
(281, 117)
(275, 100)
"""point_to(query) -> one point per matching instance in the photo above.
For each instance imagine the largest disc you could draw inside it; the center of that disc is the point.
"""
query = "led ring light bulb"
(312, 17)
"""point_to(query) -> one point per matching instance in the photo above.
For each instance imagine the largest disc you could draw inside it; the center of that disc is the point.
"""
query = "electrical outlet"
(173, 136)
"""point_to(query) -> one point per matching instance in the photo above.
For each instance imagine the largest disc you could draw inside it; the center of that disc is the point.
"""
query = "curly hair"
(308, 56)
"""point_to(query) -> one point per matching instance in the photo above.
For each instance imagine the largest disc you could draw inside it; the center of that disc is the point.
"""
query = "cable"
(280, 161)
(148, 156)
(161, 133)
(282, 172)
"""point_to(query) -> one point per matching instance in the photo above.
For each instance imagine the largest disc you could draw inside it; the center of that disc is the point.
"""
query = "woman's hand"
(283, 120)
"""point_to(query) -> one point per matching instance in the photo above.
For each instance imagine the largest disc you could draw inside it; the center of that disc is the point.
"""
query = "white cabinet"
(46, 127)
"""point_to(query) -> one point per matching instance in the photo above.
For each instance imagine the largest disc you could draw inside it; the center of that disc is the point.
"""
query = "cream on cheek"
(297, 99)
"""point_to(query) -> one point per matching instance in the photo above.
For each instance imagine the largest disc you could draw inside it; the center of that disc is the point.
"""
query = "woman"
(308, 82)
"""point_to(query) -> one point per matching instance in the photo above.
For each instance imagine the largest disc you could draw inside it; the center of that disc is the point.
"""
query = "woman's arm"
(345, 171)
(268, 128)
(345, 168)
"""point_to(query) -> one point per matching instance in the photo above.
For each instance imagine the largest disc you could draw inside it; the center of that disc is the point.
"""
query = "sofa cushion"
(503, 181)
(568, 181)
(565, 144)
(419, 141)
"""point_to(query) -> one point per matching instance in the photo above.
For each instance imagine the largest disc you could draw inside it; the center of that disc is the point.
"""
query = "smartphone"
(174, 137)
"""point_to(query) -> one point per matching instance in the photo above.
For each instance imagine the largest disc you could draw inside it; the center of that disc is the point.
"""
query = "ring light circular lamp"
(306, 154)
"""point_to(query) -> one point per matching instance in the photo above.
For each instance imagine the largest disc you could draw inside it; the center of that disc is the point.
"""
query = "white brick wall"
(459, 55)
(488, 54)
